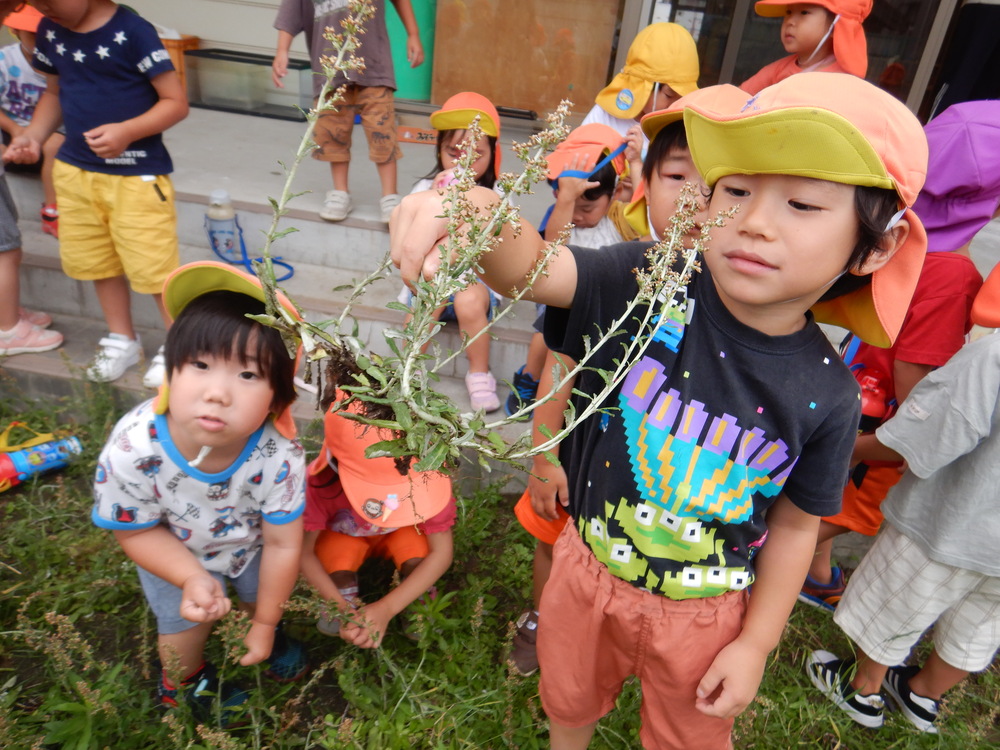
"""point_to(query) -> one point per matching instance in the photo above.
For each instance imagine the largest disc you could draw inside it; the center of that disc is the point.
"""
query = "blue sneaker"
(824, 595)
(524, 390)
(288, 661)
(201, 691)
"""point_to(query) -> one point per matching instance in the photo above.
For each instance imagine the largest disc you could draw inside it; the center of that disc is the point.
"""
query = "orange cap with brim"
(26, 19)
(849, 44)
(836, 127)
(458, 112)
(724, 97)
(374, 487)
(986, 306)
(593, 142)
(195, 279)
(660, 53)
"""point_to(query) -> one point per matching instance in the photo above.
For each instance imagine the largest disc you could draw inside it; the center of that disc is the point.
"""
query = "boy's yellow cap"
(201, 277)
(836, 127)
(660, 53)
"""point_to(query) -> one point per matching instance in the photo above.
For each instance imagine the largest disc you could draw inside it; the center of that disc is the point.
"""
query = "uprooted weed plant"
(78, 653)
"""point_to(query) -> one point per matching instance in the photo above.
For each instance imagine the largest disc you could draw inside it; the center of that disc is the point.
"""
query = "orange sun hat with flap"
(836, 127)
(374, 487)
(849, 44)
(458, 112)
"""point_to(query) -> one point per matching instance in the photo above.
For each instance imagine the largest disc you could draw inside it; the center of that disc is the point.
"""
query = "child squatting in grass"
(204, 484)
(741, 407)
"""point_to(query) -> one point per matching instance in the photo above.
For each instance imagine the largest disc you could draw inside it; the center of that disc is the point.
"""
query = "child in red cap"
(358, 507)
(730, 435)
(824, 36)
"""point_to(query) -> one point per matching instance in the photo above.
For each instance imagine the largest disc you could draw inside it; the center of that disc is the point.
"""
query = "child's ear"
(891, 242)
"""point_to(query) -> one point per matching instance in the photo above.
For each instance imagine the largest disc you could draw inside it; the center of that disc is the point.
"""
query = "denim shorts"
(165, 599)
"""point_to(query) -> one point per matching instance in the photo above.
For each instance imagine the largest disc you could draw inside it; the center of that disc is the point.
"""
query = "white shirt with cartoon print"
(142, 480)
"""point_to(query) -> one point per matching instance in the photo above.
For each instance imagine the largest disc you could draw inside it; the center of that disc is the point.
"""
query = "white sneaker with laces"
(386, 205)
(157, 370)
(116, 355)
(336, 206)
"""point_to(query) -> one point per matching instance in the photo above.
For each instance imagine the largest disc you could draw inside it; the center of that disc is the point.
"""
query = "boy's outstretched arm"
(279, 569)
(375, 617)
(734, 677)
(161, 553)
(418, 226)
(111, 139)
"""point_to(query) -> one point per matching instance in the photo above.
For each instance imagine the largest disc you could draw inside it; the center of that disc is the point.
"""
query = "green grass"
(77, 652)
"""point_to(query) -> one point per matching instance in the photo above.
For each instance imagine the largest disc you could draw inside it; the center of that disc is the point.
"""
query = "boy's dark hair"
(489, 177)
(609, 181)
(216, 324)
(670, 137)
(874, 207)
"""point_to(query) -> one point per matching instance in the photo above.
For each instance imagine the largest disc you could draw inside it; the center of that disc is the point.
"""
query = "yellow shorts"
(113, 225)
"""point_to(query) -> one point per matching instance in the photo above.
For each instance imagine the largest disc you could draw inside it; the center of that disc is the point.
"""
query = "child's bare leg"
(541, 571)
(409, 566)
(49, 150)
(344, 579)
(188, 647)
(570, 738)
(471, 306)
(339, 171)
(536, 356)
(387, 177)
(868, 678)
(10, 288)
(116, 304)
(821, 568)
(158, 299)
(936, 677)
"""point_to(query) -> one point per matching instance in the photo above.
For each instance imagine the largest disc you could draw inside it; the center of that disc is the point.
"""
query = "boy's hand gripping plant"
(397, 389)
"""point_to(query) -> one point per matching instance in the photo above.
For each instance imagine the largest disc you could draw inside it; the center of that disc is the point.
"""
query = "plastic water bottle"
(17, 466)
(220, 223)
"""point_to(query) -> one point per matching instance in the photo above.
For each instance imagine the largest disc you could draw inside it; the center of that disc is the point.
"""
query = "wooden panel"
(527, 54)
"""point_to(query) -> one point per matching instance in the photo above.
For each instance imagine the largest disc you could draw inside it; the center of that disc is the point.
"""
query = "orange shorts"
(343, 552)
(595, 630)
(861, 507)
(534, 524)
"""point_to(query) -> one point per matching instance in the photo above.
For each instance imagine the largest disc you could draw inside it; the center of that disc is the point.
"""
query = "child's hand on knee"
(259, 642)
(203, 599)
(731, 683)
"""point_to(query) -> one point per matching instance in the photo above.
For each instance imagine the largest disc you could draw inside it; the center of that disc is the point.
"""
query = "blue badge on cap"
(624, 100)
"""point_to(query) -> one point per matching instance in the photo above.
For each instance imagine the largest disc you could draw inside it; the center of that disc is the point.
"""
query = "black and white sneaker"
(832, 676)
(918, 710)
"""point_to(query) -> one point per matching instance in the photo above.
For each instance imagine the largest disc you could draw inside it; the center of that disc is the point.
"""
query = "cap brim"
(625, 96)
(461, 119)
(797, 141)
(195, 279)
(770, 9)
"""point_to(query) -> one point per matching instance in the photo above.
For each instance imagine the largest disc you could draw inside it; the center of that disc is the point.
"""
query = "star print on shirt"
(79, 56)
(50, 35)
(103, 52)
(61, 48)
(120, 38)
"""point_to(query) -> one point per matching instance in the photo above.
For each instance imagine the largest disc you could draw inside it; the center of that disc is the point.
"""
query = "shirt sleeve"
(443, 521)
(44, 55)
(949, 412)
(291, 17)
(125, 496)
(286, 499)
(153, 58)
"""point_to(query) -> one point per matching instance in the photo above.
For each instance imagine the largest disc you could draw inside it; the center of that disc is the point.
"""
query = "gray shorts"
(10, 235)
(165, 599)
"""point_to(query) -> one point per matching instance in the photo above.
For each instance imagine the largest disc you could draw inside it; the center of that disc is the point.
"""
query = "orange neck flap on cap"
(849, 44)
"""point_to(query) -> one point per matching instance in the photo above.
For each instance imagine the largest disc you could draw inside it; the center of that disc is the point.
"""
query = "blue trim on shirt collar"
(163, 433)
